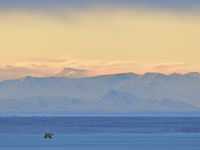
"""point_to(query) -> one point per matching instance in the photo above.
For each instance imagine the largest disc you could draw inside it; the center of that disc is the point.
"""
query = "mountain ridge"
(112, 101)
(111, 91)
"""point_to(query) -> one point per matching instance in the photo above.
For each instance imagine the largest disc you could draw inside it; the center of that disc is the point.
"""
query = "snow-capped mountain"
(116, 93)
(72, 73)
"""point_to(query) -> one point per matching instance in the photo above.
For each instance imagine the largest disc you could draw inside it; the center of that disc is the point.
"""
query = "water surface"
(101, 133)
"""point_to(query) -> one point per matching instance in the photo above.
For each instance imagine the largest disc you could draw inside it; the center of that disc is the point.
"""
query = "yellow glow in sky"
(126, 35)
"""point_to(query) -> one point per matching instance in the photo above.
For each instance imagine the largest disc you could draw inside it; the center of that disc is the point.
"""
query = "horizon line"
(123, 73)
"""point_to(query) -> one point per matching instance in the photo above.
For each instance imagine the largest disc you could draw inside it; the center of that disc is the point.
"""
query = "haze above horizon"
(92, 37)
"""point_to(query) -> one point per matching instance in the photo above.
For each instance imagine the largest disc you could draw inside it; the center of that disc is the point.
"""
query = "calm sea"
(100, 133)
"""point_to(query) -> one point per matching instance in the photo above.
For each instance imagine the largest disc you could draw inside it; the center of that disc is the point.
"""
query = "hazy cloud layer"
(81, 3)
(164, 42)
(77, 68)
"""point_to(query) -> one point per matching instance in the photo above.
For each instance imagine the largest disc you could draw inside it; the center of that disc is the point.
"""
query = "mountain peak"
(153, 74)
(193, 74)
(72, 73)
(26, 78)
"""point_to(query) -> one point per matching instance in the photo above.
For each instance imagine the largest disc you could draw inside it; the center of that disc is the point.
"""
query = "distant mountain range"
(117, 94)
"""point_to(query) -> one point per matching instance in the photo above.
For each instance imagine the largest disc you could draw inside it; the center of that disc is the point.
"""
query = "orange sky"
(100, 40)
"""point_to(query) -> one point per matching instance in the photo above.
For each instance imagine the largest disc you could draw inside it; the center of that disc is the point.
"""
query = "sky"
(41, 38)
